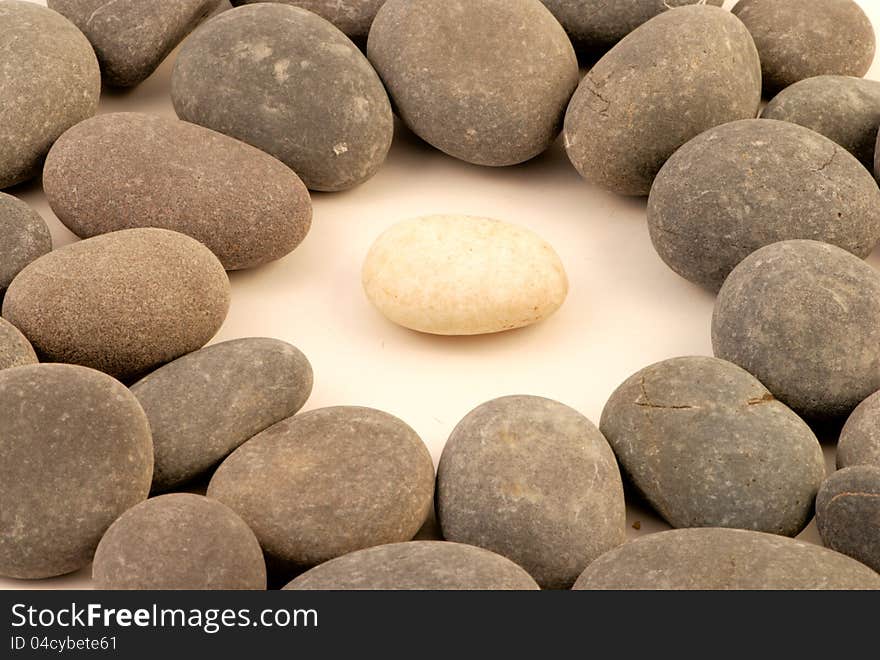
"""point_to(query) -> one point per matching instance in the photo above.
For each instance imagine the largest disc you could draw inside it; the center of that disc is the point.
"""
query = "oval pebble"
(803, 317)
(288, 82)
(739, 187)
(204, 405)
(179, 542)
(129, 170)
(132, 37)
(709, 446)
(534, 481)
(24, 237)
(848, 513)
(328, 482)
(799, 39)
(461, 275)
(416, 566)
(501, 75)
(123, 303)
(75, 453)
(859, 442)
(50, 81)
(724, 559)
(15, 349)
(353, 17)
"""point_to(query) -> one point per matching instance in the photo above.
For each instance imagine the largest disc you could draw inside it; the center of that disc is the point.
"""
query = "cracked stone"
(848, 513)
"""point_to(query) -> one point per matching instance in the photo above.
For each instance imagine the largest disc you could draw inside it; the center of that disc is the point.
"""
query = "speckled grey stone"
(206, 404)
(859, 442)
(596, 25)
(180, 542)
(724, 559)
(486, 82)
(842, 108)
(127, 170)
(799, 39)
(353, 17)
(328, 482)
(15, 349)
(132, 37)
(534, 481)
(709, 446)
(75, 453)
(24, 237)
(288, 82)
(50, 81)
(747, 184)
(803, 317)
(417, 566)
(122, 303)
(681, 73)
(848, 513)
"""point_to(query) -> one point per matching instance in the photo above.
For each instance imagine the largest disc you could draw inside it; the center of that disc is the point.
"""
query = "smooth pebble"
(859, 442)
(353, 17)
(24, 237)
(15, 349)
(848, 513)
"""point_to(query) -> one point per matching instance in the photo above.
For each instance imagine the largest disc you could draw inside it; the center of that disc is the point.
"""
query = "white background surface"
(626, 309)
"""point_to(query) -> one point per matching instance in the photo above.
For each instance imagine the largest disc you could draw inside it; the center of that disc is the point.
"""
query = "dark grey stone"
(15, 349)
(75, 453)
(848, 513)
(24, 237)
(123, 303)
(128, 170)
(859, 442)
(803, 317)
(681, 73)
(416, 566)
(744, 185)
(534, 481)
(50, 81)
(132, 37)
(291, 84)
(486, 82)
(328, 482)
(709, 446)
(842, 108)
(724, 559)
(799, 39)
(206, 404)
(180, 542)
(353, 17)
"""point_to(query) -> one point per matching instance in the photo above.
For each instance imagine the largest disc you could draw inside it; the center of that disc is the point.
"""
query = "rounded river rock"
(122, 303)
(75, 453)
(486, 82)
(15, 349)
(747, 184)
(534, 481)
(328, 482)
(709, 446)
(50, 80)
(804, 318)
(128, 170)
(24, 237)
(286, 81)
(416, 566)
(206, 404)
(848, 513)
(353, 17)
(859, 442)
(724, 559)
(179, 541)
(681, 73)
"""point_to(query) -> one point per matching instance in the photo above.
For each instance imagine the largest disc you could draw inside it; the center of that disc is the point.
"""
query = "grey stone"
(416, 566)
(204, 405)
(15, 349)
(24, 237)
(724, 559)
(223, 5)
(353, 17)
(803, 317)
(132, 37)
(128, 170)
(50, 81)
(709, 446)
(799, 39)
(681, 73)
(848, 513)
(842, 108)
(486, 82)
(859, 442)
(291, 84)
(179, 542)
(328, 482)
(123, 303)
(744, 185)
(75, 453)
(534, 481)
